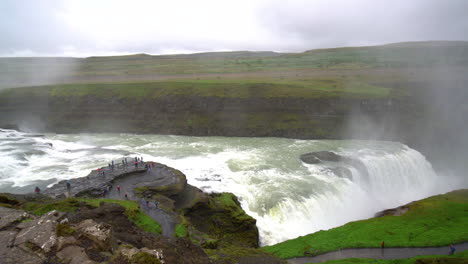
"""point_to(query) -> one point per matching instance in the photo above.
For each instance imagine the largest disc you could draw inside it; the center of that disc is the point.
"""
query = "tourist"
(126, 196)
(147, 203)
(99, 171)
(452, 249)
(37, 190)
(136, 164)
(382, 244)
(156, 204)
(118, 189)
(68, 186)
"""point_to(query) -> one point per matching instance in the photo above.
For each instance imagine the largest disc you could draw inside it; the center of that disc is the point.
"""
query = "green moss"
(223, 219)
(7, 201)
(144, 258)
(181, 230)
(435, 221)
(65, 230)
(40, 208)
(25, 220)
(6, 205)
(133, 212)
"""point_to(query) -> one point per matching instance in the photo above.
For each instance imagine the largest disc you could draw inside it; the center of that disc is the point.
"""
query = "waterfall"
(288, 197)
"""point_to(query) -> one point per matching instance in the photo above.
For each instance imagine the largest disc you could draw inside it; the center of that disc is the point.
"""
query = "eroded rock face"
(100, 233)
(10, 216)
(40, 232)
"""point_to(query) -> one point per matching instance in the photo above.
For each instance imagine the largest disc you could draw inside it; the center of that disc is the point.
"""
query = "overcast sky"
(107, 27)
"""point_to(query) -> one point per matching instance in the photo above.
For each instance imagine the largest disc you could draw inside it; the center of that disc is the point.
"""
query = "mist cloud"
(86, 27)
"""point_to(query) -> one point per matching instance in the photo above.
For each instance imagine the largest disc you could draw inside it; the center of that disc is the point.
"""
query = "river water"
(287, 197)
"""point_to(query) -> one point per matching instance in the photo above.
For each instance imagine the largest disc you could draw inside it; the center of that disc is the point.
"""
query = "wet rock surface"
(340, 160)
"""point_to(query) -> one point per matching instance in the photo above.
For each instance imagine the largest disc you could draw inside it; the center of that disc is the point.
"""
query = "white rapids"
(287, 197)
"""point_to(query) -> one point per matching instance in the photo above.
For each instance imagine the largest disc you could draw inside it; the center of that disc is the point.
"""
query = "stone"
(101, 234)
(74, 255)
(63, 242)
(319, 156)
(17, 256)
(158, 253)
(40, 232)
(9, 216)
(128, 251)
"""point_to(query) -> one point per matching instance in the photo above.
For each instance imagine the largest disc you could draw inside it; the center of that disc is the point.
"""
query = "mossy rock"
(144, 258)
(65, 230)
(210, 243)
(222, 218)
(8, 201)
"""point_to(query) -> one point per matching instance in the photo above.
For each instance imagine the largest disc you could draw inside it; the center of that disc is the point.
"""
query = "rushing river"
(287, 197)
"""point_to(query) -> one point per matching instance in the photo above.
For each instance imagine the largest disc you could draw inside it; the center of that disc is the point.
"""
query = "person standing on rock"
(68, 186)
(156, 203)
(37, 190)
(118, 189)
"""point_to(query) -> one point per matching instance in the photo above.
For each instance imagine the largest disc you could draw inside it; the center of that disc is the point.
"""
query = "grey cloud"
(293, 25)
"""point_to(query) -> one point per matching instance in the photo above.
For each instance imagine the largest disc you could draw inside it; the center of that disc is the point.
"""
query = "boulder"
(63, 242)
(100, 233)
(17, 256)
(39, 234)
(319, 156)
(10, 216)
(74, 255)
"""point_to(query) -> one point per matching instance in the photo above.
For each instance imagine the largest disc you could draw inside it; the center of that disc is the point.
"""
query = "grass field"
(435, 221)
(348, 71)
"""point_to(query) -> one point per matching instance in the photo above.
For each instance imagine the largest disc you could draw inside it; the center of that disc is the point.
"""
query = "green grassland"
(435, 221)
(353, 71)
(208, 88)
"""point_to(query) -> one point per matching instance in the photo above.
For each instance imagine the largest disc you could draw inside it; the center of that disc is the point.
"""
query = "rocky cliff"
(142, 213)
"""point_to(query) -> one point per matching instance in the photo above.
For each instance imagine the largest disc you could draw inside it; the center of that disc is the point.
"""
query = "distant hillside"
(16, 72)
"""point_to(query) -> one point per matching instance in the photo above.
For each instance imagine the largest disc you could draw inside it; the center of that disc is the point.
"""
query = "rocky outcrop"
(339, 170)
(100, 233)
(394, 211)
(94, 234)
(9, 217)
(222, 218)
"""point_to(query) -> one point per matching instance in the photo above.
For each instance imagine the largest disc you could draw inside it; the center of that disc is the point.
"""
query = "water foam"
(287, 197)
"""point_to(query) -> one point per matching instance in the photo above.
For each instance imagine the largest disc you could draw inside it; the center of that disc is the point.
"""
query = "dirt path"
(378, 253)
